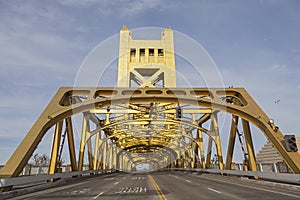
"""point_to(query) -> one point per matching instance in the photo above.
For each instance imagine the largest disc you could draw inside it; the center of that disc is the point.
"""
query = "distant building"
(269, 159)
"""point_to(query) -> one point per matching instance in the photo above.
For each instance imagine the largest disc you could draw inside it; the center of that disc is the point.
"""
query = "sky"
(254, 44)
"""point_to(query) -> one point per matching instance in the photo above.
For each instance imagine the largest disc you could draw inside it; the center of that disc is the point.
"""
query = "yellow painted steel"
(217, 139)
(90, 154)
(231, 142)
(201, 147)
(104, 157)
(196, 153)
(55, 148)
(110, 150)
(191, 157)
(96, 152)
(55, 112)
(71, 144)
(85, 124)
(208, 154)
(249, 144)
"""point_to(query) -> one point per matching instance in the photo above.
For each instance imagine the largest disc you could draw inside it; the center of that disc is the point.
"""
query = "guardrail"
(5, 182)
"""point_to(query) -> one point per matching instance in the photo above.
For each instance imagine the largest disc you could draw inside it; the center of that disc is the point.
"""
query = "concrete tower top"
(146, 63)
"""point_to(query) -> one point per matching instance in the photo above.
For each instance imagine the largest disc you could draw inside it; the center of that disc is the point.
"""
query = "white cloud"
(25, 43)
(20, 127)
(80, 2)
(35, 11)
(295, 51)
(122, 8)
(135, 7)
(283, 69)
(278, 67)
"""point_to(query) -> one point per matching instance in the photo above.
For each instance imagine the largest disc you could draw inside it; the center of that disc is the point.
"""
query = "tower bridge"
(148, 120)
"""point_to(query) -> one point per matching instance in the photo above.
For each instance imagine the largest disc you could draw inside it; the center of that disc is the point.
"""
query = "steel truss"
(139, 125)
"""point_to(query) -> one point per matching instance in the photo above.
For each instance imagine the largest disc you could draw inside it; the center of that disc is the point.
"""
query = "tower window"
(132, 52)
(142, 52)
(151, 52)
(160, 52)
(132, 55)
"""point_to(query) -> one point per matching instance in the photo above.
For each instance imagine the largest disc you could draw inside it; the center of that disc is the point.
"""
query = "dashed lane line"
(109, 179)
(95, 197)
(253, 187)
(214, 190)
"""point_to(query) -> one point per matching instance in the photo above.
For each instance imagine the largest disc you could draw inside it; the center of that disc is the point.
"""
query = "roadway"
(164, 185)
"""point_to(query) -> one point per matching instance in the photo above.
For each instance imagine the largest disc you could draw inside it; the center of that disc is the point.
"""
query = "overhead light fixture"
(271, 121)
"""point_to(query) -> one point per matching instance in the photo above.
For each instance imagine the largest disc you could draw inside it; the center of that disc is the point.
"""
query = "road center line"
(98, 195)
(157, 188)
(214, 190)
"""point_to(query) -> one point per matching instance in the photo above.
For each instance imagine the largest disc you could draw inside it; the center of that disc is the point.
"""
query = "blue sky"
(255, 44)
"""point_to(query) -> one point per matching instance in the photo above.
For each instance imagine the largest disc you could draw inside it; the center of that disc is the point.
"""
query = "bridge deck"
(165, 185)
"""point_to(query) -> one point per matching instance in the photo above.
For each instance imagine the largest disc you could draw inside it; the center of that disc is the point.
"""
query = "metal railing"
(22, 180)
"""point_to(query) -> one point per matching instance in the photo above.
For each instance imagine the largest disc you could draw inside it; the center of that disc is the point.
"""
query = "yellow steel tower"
(146, 63)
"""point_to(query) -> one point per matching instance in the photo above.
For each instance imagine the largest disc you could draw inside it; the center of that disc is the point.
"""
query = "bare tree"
(40, 160)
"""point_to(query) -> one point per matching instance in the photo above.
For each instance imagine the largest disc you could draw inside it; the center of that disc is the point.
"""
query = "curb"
(18, 192)
(273, 184)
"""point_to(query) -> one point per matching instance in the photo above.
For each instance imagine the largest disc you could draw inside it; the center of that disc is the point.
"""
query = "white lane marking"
(98, 195)
(81, 191)
(143, 189)
(135, 189)
(40, 193)
(214, 190)
(173, 176)
(188, 181)
(116, 182)
(257, 188)
(109, 179)
(138, 178)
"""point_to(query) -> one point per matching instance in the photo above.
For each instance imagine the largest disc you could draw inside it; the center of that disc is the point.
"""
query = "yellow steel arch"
(231, 100)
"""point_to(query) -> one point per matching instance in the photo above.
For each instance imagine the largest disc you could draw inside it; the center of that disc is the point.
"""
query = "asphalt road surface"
(165, 185)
